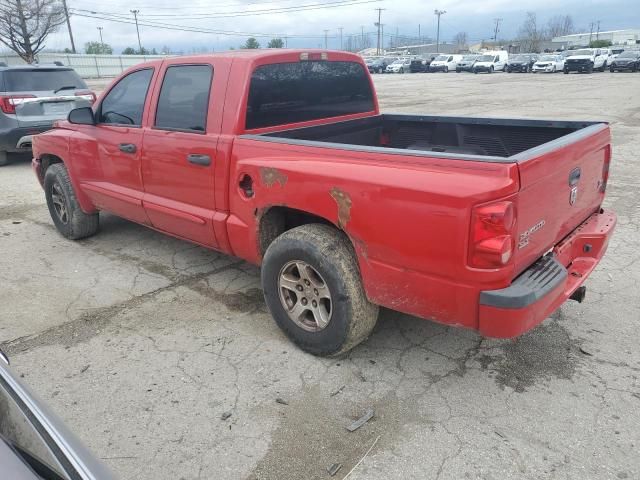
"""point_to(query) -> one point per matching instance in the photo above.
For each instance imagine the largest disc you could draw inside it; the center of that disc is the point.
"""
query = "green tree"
(251, 44)
(128, 51)
(600, 43)
(97, 48)
(275, 43)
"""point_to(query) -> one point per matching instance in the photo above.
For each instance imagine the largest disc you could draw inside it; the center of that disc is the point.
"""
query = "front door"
(179, 153)
(112, 176)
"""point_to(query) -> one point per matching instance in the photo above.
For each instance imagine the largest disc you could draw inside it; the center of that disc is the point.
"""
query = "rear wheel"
(63, 205)
(312, 287)
(4, 159)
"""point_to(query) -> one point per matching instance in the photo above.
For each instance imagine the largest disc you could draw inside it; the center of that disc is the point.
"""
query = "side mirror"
(82, 116)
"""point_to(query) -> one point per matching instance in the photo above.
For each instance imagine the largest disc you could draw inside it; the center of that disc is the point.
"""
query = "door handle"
(199, 159)
(127, 148)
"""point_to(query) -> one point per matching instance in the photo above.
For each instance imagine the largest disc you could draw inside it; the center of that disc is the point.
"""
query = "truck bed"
(484, 139)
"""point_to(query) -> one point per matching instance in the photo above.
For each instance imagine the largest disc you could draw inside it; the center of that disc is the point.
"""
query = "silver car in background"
(34, 444)
(32, 97)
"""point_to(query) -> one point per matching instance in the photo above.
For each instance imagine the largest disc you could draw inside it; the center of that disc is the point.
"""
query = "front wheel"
(312, 287)
(63, 205)
(604, 67)
(491, 69)
(4, 159)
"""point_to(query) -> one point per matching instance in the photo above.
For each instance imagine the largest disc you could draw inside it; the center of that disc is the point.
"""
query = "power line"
(186, 28)
(241, 13)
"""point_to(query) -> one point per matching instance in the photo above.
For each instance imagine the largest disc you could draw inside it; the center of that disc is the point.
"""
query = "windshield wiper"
(66, 87)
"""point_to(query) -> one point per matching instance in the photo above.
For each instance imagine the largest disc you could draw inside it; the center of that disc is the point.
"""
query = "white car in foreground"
(549, 64)
(399, 66)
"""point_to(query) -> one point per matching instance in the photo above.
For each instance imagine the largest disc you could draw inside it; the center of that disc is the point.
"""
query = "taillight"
(9, 103)
(492, 242)
(87, 95)
(605, 168)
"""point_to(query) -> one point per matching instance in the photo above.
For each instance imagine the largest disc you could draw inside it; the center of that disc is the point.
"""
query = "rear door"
(110, 170)
(180, 150)
(42, 95)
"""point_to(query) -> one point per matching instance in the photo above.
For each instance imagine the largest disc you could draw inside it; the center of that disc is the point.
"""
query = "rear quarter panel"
(407, 217)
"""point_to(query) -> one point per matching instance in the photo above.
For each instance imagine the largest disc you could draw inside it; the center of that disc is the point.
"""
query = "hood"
(484, 64)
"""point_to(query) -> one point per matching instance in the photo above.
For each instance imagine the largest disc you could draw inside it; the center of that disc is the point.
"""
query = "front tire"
(312, 287)
(63, 205)
(4, 159)
(446, 69)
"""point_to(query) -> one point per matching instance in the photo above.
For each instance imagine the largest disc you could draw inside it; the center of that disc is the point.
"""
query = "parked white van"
(444, 63)
(492, 62)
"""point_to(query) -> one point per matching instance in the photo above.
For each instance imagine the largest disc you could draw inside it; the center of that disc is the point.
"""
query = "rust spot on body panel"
(344, 206)
(270, 176)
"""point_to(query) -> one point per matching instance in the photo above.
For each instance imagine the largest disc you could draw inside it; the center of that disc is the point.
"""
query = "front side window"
(124, 103)
(284, 93)
(184, 98)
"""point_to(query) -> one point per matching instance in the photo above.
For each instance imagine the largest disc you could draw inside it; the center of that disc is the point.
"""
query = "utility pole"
(135, 16)
(341, 28)
(496, 29)
(101, 42)
(590, 32)
(438, 13)
(419, 36)
(66, 14)
(378, 24)
(286, 42)
(325, 39)
(598, 31)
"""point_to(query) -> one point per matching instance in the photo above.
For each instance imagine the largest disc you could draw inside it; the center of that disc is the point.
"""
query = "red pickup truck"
(283, 158)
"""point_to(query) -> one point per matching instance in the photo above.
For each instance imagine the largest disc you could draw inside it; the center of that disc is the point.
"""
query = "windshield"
(628, 54)
(398, 62)
(441, 58)
(548, 58)
(42, 79)
(581, 52)
(468, 58)
(486, 58)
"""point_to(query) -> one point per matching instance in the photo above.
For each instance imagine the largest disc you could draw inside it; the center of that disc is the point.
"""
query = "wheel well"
(277, 220)
(46, 160)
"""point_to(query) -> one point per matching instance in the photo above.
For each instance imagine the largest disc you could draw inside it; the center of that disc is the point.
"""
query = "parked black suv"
(522, 62)
(627, 60)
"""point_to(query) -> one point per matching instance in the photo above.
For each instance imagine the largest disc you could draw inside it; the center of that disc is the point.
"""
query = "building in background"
(616, 37)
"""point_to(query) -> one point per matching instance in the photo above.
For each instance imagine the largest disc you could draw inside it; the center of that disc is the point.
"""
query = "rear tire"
(63, 205)
(4, 159)
(329, 263)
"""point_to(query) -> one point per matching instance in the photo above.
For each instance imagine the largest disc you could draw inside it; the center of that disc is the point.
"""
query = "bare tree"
(560, 25)
(25, 25)
(461, 40)
(530, 34)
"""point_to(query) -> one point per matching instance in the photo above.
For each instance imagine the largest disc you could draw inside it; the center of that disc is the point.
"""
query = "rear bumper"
(11, 138)
(548, 283)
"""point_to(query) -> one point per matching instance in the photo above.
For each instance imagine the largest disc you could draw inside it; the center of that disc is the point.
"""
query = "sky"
(306, 28)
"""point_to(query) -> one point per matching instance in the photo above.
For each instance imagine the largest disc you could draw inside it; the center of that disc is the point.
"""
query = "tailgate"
(562, 183)
(45, 109)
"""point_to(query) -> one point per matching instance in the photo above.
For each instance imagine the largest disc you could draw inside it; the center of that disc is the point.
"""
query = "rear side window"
(296, 92)
(184, 98)
(124, 103)
(42, 79)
